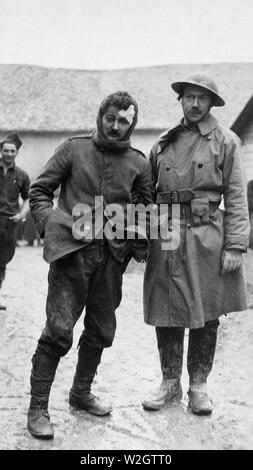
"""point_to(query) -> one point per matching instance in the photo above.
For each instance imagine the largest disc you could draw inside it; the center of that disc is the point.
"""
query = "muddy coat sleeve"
(142, 186)
(236, 222)
(42, 191)
(153, 169)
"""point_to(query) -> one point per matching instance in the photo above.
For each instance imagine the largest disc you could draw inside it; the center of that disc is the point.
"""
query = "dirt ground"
(127, 371)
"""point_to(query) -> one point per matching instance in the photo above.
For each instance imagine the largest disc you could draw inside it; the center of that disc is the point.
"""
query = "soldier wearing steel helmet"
(196, 164)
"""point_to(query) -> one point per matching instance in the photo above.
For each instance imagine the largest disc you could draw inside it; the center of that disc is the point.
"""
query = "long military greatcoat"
(185, 287)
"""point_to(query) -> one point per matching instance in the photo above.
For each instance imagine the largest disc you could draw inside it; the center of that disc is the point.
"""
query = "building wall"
(37, 148)
(246, 136)
(248, 161)
(143, 140)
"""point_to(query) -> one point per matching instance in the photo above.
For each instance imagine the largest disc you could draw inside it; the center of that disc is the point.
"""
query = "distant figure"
(191, 285)
(250, 207)
(14, 182)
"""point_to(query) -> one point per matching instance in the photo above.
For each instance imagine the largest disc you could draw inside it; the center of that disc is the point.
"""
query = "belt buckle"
(189, 194)
(186, 195)
(174, 197)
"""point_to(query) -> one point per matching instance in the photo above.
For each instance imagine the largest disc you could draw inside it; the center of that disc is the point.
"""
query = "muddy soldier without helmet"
(84, 273)
(196, 164)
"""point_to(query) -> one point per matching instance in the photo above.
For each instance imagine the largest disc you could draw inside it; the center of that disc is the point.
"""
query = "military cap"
(12, 138)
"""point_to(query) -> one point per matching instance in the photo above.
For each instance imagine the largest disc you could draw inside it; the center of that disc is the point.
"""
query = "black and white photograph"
(126, 228)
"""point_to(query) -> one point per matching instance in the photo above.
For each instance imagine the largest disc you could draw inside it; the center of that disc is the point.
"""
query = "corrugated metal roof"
(34, 98)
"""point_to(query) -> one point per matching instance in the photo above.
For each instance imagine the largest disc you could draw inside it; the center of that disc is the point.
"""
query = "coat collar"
(205, 127)
(12, 167)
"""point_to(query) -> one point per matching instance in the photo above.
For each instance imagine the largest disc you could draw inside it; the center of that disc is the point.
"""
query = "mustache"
(195, 110)
(114, 133)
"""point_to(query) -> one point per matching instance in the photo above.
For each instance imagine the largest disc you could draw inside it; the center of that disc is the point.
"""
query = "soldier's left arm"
(142, 188)
(236, 219)
(24, 192)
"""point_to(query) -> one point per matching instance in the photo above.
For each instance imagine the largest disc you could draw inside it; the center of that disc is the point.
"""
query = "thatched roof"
(34, 98)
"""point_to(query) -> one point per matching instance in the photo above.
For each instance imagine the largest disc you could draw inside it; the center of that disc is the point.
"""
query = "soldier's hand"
(16, 218)
(230, 260)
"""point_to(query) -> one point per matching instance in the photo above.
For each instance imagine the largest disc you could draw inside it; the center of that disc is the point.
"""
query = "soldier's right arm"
(41, 194)
(154, 170)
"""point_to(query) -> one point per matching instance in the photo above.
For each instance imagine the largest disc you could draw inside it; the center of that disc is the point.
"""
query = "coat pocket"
(200, 211)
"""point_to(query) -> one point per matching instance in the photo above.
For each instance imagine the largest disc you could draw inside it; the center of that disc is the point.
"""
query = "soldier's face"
(115, 126)
(9, 153)
(196, 103)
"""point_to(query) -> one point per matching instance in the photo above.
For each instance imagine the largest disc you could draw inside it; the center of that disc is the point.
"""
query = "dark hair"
(121, 99)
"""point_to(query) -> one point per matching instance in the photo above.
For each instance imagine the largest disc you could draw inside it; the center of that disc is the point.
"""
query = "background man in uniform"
(14, 182)
(84, 272)
(195, 164)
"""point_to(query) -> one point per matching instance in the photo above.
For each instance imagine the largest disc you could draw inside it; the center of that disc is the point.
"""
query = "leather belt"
(175, 197)
(186, 195)
(185, 209)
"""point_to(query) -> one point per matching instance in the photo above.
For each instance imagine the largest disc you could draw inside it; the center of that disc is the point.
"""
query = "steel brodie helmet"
(202, 80)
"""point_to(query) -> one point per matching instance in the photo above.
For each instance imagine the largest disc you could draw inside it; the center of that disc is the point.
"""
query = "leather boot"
(199, 402)
(42, 376)
(38, 423)
(80, 396)
(2, 307)
(170, 390)
(170, 343)
(201, 351)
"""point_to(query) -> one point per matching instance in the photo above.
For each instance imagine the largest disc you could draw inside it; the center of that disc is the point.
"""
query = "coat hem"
(190, 325)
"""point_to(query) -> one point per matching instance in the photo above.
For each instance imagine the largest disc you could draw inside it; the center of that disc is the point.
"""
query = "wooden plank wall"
(246, 136)
(248, 160)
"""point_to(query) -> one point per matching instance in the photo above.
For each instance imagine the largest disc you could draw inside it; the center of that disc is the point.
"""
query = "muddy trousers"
(200, 356)
(88, 361)
(44, 368)
(43, 372)
(89, 278)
